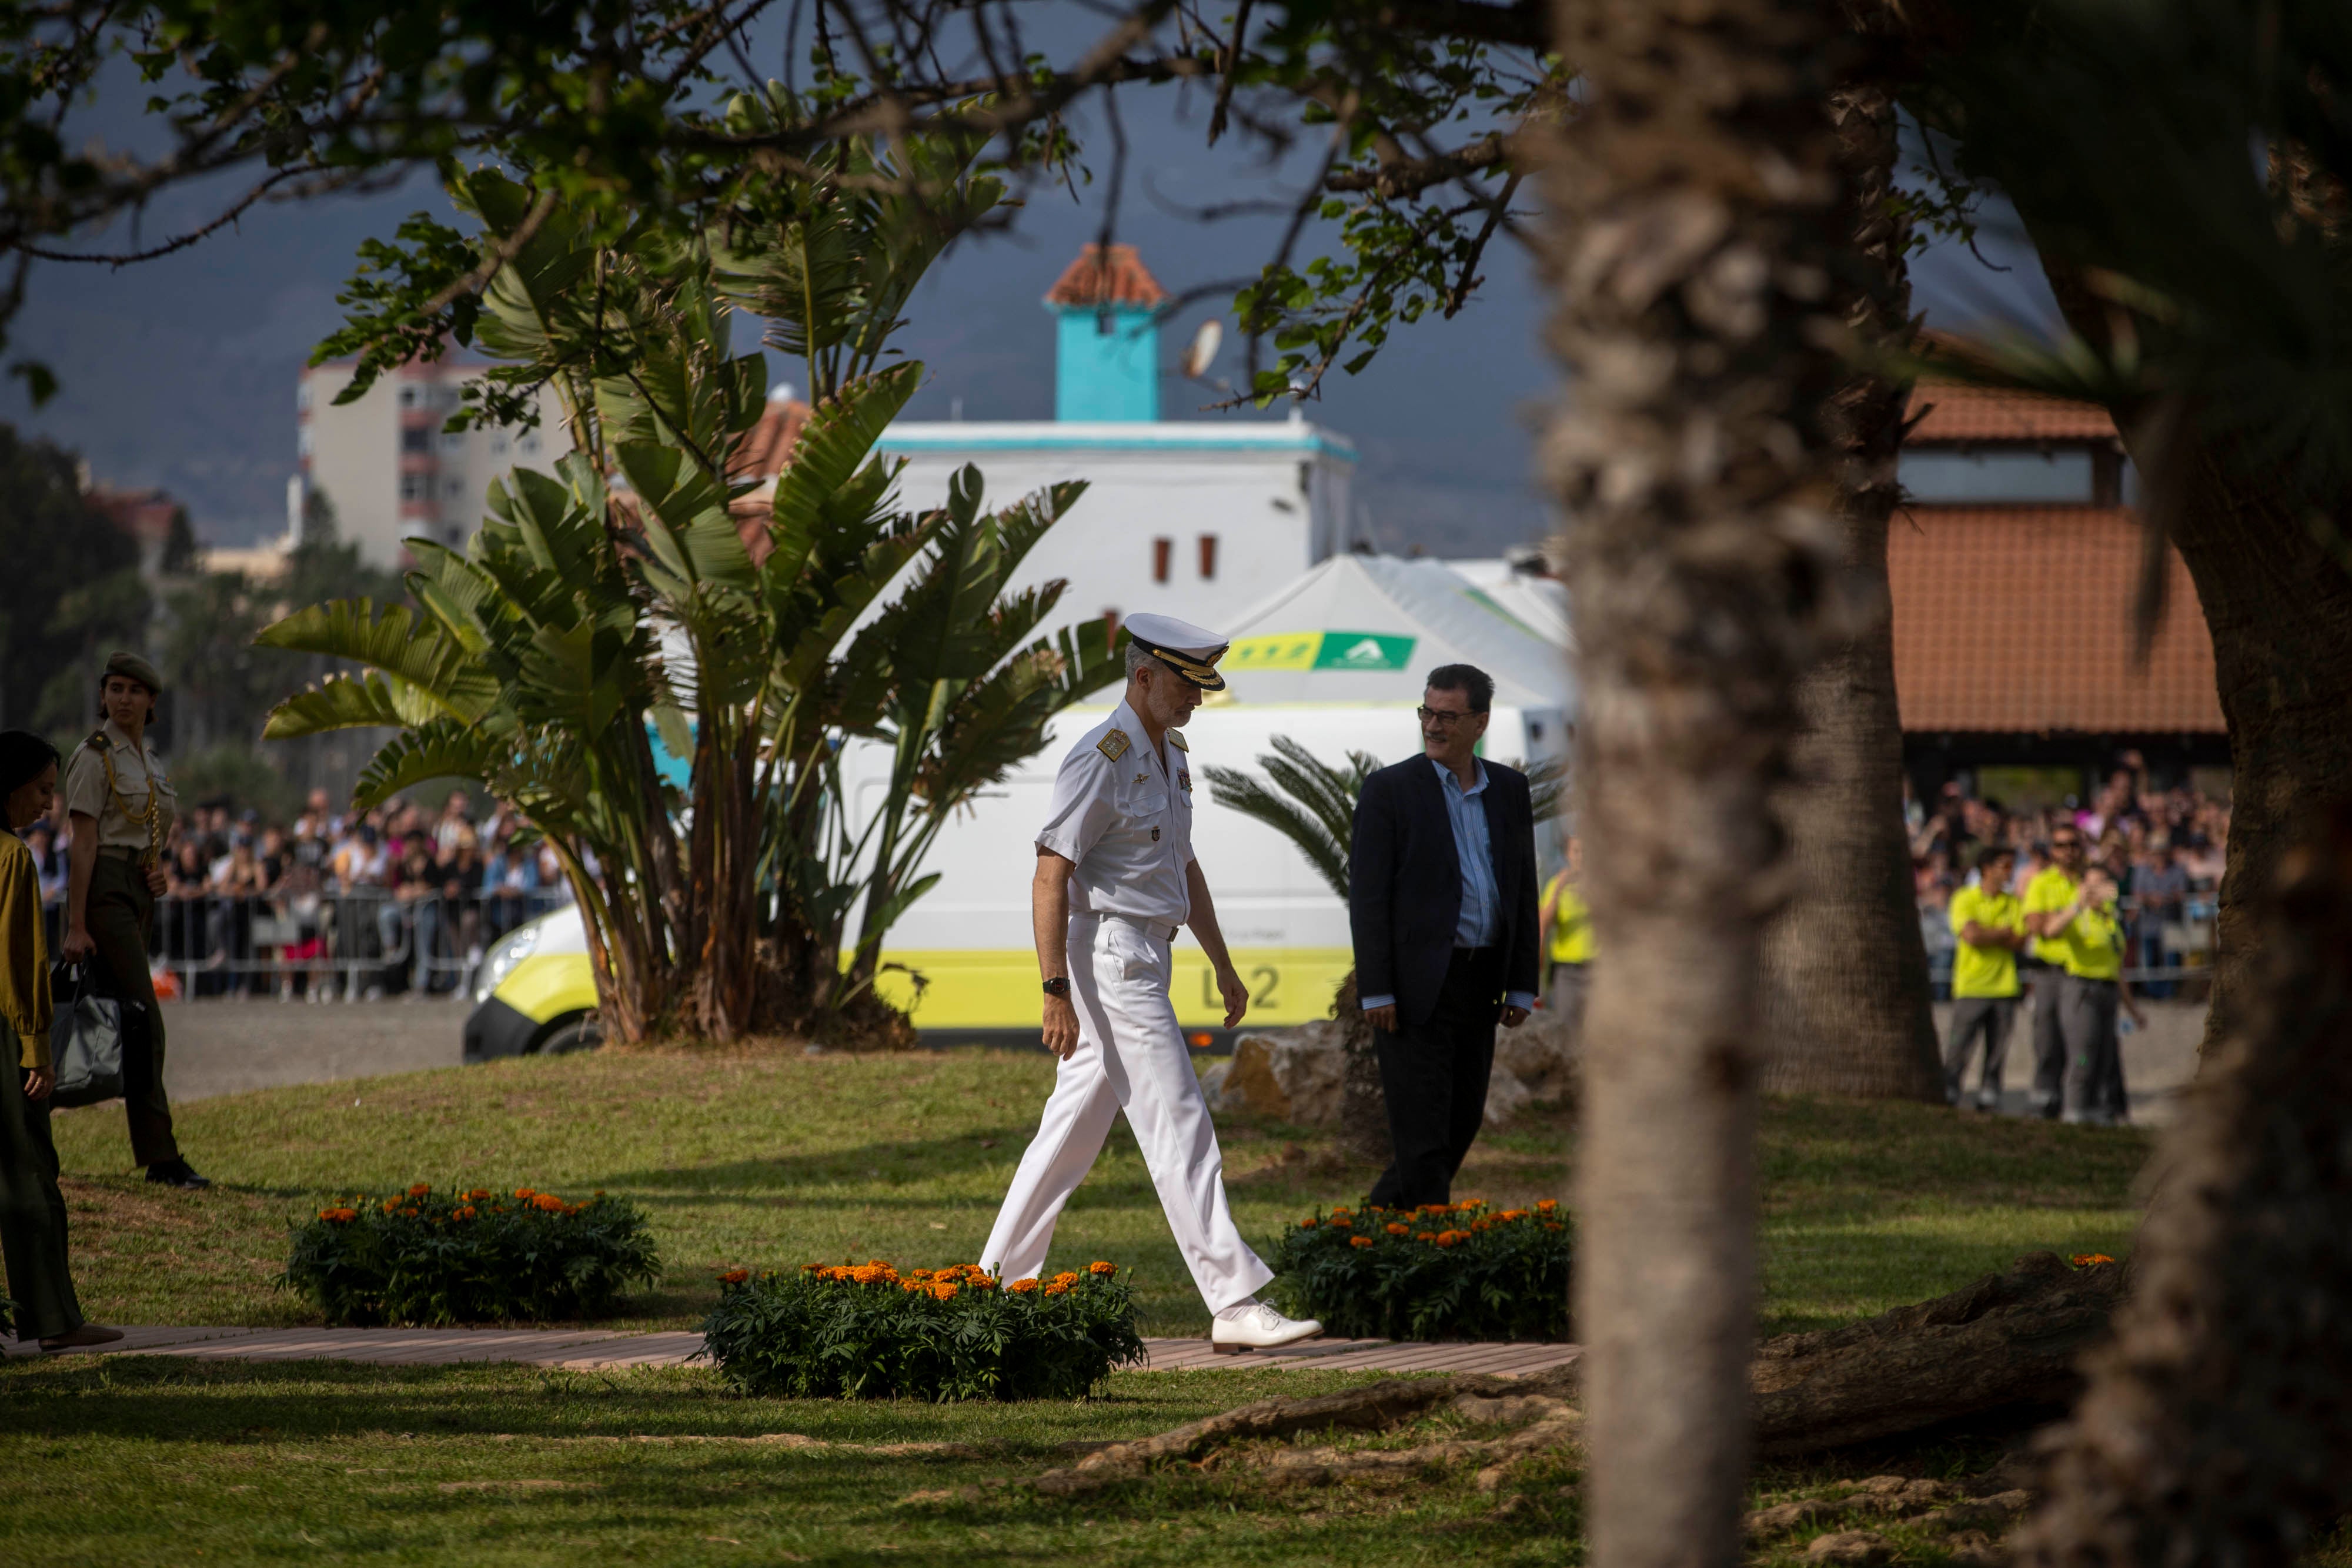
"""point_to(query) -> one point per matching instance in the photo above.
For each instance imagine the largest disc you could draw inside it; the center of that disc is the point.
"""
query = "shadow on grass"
(973, 1150)
(232, 1402)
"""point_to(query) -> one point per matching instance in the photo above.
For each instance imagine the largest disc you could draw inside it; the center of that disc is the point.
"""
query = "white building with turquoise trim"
(1195, 519)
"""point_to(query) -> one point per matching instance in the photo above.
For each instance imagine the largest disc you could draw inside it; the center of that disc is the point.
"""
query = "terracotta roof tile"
(765, 451)
(2018, 619)
(767, 446)
(1958, 411)
(1112, 274)
(144, 515)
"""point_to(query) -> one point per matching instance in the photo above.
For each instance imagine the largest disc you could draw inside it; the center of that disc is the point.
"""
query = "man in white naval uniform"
(1115, 878)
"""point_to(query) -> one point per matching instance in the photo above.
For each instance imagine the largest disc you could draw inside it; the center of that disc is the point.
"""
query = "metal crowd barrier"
(354, 945)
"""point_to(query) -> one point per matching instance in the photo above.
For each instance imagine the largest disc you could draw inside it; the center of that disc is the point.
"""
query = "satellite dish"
(1202, 350)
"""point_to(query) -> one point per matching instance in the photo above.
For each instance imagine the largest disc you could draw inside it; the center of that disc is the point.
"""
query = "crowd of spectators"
(387, 901)
(2164, 848)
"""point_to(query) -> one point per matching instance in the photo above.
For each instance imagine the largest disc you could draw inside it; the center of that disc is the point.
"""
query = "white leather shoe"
(1260, 1328)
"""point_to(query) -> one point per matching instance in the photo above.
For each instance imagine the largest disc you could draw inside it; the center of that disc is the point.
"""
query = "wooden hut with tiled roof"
(2013, 567)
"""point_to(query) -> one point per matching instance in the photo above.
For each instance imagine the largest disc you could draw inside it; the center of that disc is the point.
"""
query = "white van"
(967, 966)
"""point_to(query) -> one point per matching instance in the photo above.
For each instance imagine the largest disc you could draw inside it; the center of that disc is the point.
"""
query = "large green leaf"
(344, 702)
(420, 654)
(685, 518)
(831, 451)
(442, 749)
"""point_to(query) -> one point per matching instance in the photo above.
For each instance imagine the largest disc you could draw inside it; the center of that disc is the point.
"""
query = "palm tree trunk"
(2280, 611)
(1697, 214)
(2215, 1427)
(1845, 997)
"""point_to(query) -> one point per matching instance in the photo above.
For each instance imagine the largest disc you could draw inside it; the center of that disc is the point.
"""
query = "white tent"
(1540, 601)
(1368, 629)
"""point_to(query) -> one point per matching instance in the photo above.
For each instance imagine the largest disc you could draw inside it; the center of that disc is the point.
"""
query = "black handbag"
(84, 1040)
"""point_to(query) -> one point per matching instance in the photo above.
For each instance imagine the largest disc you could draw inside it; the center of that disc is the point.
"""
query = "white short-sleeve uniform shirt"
(1125, 817)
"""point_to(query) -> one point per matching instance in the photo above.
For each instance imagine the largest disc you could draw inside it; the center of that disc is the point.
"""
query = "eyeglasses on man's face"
(1439, 716)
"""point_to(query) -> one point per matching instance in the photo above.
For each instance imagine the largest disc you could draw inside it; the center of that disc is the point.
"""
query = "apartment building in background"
(389, 469)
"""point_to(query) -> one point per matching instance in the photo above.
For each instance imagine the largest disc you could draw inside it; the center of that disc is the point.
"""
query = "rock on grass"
(1850, 1549)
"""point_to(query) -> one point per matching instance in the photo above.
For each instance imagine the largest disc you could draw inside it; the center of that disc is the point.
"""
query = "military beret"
(132, 668)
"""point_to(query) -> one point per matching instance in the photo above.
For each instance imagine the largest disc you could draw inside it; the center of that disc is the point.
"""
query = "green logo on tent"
(1362, 651)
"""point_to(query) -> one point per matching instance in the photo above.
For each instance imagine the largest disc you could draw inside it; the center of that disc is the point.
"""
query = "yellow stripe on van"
(998, 989)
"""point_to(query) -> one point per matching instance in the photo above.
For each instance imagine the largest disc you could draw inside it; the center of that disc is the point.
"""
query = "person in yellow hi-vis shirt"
(1989, 922)
(1567, 921)
(2071, 910)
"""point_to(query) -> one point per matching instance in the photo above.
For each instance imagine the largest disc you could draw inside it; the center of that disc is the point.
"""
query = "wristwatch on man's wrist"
(1058, 987)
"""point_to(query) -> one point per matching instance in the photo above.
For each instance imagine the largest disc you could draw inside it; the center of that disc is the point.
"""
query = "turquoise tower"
(1107, 337)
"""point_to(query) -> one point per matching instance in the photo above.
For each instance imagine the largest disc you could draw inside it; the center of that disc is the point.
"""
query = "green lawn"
(776, 1160)
(151, 1462)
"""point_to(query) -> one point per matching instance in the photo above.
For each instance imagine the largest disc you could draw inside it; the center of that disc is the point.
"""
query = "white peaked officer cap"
(1183, 647)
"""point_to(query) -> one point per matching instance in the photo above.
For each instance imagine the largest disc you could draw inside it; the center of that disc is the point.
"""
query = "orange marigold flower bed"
(417, 1256)
(955, 1332)
(1440, 1271)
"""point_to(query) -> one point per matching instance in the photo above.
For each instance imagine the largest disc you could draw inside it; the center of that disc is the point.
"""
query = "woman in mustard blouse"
(32, 1211)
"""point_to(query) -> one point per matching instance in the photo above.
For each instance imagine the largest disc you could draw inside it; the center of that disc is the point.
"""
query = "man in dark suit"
(1442, 903)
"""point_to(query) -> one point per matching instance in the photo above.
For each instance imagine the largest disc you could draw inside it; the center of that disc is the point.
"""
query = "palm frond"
(1304, 799)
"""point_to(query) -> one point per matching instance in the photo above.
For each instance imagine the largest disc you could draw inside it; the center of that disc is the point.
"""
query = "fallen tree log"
(1388, 1402)
(2008, 1339)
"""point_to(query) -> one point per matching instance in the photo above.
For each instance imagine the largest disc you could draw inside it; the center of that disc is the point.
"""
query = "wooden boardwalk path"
(585, 1350)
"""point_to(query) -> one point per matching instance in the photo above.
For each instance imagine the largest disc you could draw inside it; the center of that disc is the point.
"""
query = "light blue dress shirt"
(1480, 912)
(1481, 923)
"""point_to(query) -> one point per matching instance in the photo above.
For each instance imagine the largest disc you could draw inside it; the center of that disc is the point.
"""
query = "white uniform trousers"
(1130, 1058)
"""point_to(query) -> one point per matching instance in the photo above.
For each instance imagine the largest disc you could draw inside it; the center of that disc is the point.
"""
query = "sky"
(180, 374)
